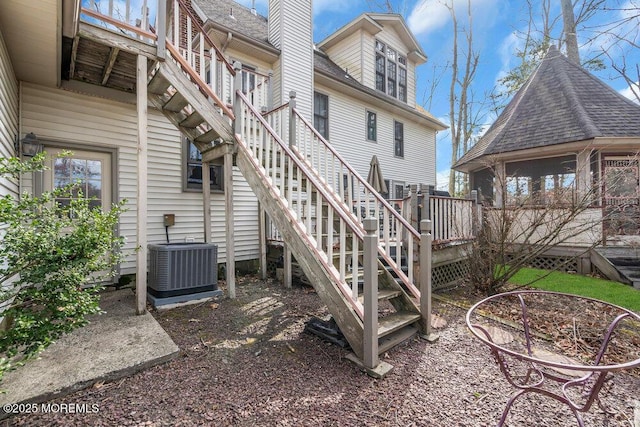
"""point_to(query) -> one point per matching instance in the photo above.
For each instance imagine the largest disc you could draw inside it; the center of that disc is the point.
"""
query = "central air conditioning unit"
(181, 272)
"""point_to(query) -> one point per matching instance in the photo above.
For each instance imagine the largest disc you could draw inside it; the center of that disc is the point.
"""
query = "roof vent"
(231, 14)
(253, 7)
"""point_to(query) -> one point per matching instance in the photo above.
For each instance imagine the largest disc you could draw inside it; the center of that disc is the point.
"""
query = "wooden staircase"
(309, 211)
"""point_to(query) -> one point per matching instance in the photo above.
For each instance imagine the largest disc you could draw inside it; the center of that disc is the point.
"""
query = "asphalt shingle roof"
(235, 17)
(560, 103)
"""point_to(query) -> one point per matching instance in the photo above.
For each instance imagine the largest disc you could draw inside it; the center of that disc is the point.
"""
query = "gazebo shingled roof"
(560, 102)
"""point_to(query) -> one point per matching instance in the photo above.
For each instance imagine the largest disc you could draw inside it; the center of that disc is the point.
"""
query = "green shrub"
(50, 255)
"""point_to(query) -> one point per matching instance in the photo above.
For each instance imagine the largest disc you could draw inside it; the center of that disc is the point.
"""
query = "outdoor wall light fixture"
(29, 145)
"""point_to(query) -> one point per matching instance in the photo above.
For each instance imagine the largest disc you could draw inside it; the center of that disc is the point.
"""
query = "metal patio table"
(530, 368)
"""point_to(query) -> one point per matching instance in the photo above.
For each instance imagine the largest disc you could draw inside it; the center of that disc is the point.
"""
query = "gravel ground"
(248, 362)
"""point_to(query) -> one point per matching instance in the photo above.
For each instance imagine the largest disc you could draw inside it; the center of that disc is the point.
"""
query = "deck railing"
(334, 235)
(398, 240)
(179, 32)
(122, 16)
(452, 218)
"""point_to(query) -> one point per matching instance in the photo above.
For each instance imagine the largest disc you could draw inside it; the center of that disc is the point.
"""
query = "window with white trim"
(194, 170)
(391, 72)
(372, 126)
(398, 139)
(321, 113)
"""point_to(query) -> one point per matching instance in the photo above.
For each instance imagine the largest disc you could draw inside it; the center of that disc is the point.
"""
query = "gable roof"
(245, 23)
(325, 66)
(560, 103)
(374, 23)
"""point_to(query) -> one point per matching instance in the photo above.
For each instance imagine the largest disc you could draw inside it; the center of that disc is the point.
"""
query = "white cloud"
(430, 15)
(442, 180)
(427, 16)
(320, 6)
(628, 93)
(507, 53)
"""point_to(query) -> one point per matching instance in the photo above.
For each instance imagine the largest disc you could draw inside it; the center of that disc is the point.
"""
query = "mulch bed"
(248, 362)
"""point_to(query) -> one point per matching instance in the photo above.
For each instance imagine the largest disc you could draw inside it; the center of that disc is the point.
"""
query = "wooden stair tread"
(193, 120)
(391, 340)
(395, 321)
(208, 136)
(158, 84)
(176, 103)
(383, 294)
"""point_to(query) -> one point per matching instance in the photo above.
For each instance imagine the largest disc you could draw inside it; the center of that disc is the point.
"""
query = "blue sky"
(495, 25)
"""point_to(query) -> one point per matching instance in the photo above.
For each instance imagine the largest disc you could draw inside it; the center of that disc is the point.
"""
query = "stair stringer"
(312, 261)
(198, 101)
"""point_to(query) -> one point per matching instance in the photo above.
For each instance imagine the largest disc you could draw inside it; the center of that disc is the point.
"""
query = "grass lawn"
(605, 290)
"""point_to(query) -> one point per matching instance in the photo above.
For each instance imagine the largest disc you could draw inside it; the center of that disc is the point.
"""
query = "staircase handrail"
(118, 23)
(322, 190)
(366, 184)
(196, 22)
(275, 110)
(412, 232)
(195, 78)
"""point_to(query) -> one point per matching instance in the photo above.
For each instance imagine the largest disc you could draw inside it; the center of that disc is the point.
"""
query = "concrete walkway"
(113, 345)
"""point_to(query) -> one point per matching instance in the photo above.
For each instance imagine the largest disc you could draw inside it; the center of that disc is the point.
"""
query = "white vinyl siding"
(347, 55)
(291, 31)
(8, 114)
(349, 136)
(60, 117)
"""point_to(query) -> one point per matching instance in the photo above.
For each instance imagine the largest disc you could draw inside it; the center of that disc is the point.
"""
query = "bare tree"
(387, 6)
(599, 40)
(523, 227)
(461, 124)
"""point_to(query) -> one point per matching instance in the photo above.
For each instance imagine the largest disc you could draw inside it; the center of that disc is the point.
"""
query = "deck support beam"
(262, 232)
(287, 265)
(106, 73)
(141, 208)
(206, 200)
(230, 244)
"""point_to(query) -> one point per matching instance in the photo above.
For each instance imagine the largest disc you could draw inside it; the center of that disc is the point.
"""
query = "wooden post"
(230, 243)
(499, 186)
(292, 119)
(228, 186)
(474, 212)
(206, 200)
(262, 231)
(161, 24)
(237, 103)
(141, 207)
(413, 199)
(292, 142)
(370, 265)
(287, 265)
(425, 280)
(270, 91)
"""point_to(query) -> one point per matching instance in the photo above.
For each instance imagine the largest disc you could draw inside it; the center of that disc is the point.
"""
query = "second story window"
(391, 72)
(321, 114)
(398, 139)
(402, 79)
(372, 126)
(380, 67)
